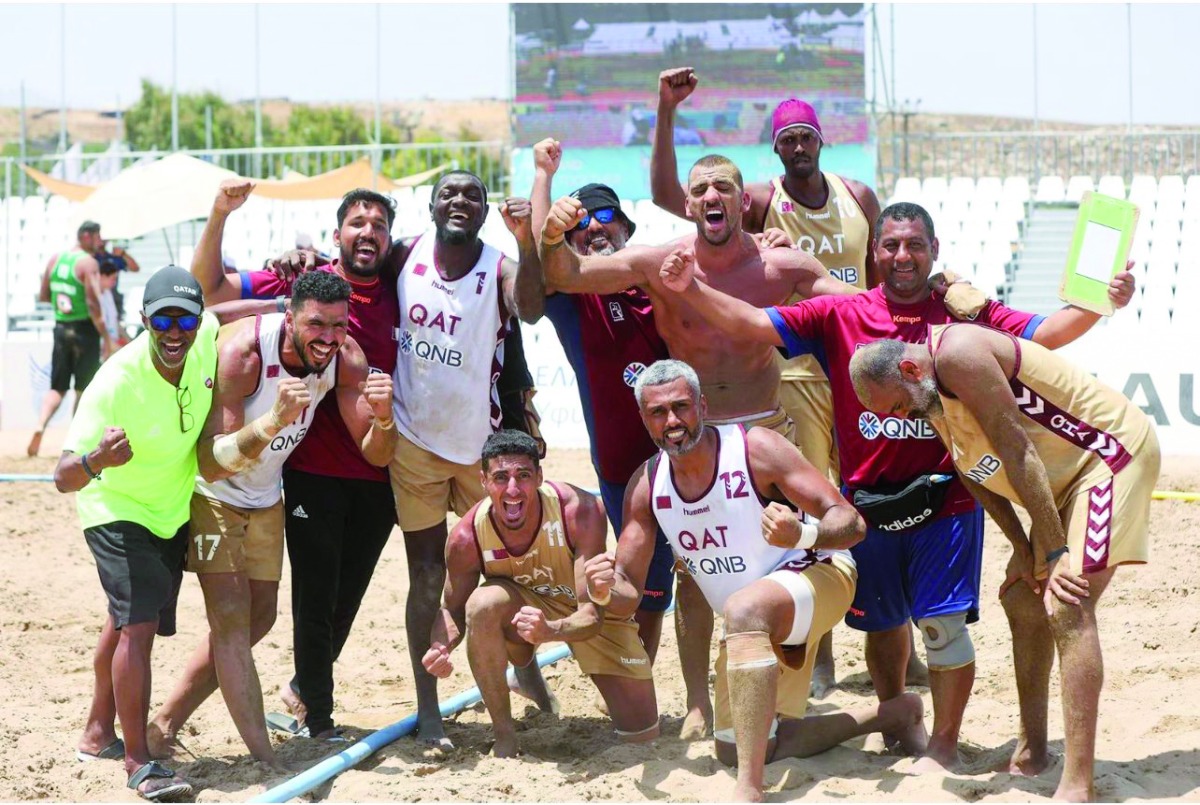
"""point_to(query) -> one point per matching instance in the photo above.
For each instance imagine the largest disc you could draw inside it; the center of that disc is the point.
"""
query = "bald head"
(892, 377)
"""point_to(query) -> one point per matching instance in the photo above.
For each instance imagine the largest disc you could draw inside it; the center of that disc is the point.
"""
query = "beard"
(309, 367)
(927, 404)
(688, 445)
(455, 237)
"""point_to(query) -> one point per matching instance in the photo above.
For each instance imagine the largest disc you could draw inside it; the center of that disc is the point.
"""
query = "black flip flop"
(156, 771)
(114, 751)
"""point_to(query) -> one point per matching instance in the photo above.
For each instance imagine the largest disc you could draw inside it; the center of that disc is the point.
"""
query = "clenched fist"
(547, 156)
(678, 270)
(773, 238)
(292, 264)
(113, 450)
(291, 398)
(377, 391)
(675, 85)
(518, 217)
(531, 625)
(564, 215)
(601, 574)
(780, 526)
(232, 194)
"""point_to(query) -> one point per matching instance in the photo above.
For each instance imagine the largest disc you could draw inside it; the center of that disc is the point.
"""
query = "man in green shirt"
(131, 456)
(72, 283)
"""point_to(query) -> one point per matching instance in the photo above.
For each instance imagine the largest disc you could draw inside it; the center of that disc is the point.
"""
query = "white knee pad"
(947, 641)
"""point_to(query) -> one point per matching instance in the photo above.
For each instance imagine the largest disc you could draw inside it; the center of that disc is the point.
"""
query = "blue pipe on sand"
(309, 779)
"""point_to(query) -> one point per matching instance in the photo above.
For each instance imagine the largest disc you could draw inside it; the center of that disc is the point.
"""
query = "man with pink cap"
(826, 215)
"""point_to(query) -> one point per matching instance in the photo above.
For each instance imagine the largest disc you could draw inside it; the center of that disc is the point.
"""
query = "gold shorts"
(223, 538)
(809, 403)
(1107, 523)
(426, 486)
(616, 651)
(833, 590)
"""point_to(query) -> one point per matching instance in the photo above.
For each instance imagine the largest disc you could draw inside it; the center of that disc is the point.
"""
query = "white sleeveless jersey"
(259, 486)
(451, 350)
(719, 536)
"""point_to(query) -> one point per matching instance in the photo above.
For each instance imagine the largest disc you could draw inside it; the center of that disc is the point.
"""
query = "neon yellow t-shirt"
(154, 488)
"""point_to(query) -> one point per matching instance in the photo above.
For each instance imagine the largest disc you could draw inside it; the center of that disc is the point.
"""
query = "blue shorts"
(918, 573)
(660, 578)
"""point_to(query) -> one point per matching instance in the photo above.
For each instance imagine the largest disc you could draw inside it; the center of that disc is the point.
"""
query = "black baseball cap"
(172, 286)
(598, 196)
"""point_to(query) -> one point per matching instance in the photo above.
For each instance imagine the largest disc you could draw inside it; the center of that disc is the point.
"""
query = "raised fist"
(601, 574)
(232, 194)
(290, 265)
(377, 391)
(678, 270)
(675, 85)
(564, 215)
(518, 217)
(291, 397)
(531, 625)
(547, 156)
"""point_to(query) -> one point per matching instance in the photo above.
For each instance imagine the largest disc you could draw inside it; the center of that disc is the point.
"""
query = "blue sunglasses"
(186, 322)
(604, 215)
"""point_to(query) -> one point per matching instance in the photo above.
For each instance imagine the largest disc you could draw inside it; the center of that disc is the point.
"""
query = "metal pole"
(208, 142)
(62, 107)
(174, 82)
(1037, 172)
(1129, 51)
(874, 61)
(258, 94)
(378, 160)
(23, 152)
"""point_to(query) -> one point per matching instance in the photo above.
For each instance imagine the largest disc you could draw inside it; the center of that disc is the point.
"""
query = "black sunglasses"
(183, 398)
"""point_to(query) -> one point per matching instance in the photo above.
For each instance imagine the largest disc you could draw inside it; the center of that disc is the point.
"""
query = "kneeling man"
(1025, 426)
(529, 541)
(724, 497)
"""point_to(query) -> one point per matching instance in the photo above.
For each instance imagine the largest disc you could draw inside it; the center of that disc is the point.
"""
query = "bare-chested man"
(740, 381)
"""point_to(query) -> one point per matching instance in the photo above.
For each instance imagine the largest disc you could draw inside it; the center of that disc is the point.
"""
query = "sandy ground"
(52, 607)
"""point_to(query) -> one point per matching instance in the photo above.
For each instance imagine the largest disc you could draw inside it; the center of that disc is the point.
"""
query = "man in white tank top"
(272, 371)
(724, 498)
(456, 296)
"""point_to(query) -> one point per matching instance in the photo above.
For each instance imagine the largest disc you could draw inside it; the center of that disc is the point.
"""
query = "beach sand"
(52, 608)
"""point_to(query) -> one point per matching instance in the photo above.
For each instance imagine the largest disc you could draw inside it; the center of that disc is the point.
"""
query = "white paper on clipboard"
(1099, 250)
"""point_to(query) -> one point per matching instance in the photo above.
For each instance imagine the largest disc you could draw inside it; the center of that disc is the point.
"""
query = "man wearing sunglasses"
(273, 372)
(130, 454)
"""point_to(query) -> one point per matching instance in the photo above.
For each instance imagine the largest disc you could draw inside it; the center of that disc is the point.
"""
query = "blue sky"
(955, 58)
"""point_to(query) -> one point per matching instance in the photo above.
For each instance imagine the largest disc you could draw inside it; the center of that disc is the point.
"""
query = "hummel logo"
(299, 512)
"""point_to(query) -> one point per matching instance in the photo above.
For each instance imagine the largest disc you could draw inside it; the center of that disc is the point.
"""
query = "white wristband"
(808, 536)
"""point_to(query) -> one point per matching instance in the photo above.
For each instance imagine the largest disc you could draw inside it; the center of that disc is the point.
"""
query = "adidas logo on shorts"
(299, 512)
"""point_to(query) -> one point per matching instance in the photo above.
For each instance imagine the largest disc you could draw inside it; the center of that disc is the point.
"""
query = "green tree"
(148, 121)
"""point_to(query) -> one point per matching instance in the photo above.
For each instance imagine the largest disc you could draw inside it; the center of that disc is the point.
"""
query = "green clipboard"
(1099, 250)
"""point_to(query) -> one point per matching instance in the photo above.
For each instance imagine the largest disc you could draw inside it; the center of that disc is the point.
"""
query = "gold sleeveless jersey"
(547, 567)
(837, 234)
(1083, 430)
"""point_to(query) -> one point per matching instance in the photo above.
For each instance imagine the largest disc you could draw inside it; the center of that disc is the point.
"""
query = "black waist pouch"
(896, 507)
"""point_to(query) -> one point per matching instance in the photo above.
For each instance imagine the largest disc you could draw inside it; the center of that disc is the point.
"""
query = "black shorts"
(76, 353)
(140, 572)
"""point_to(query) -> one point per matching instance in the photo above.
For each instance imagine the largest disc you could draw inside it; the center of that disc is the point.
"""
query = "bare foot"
(908, 736)
(505, 746)
(1074, 794)
(432, 733)
(35, 443)
(747, 793)
(530, 684)
(294, 704)
(1025, 762)
(159, 744)
(940, 756)
(697, 725)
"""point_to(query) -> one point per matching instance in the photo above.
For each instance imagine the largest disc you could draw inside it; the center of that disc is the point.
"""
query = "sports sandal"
(168, 791)
(114, 751)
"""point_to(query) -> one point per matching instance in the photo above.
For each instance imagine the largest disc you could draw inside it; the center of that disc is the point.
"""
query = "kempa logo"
(907, 522)
(872, 427)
